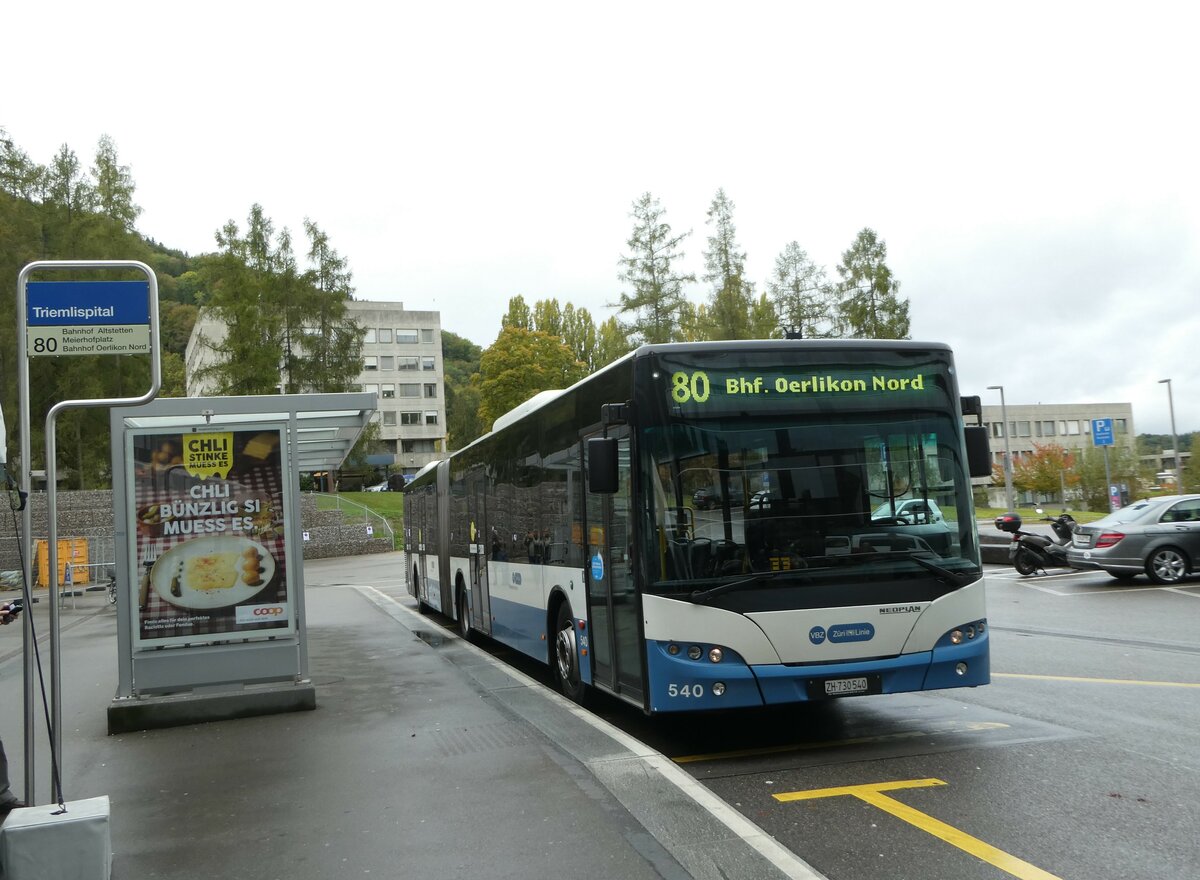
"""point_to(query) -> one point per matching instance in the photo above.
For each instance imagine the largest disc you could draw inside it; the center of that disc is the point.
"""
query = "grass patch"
(389, 505)
(1030, 515)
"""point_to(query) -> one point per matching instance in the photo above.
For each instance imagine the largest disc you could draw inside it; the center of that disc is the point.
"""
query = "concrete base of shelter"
(126, 715)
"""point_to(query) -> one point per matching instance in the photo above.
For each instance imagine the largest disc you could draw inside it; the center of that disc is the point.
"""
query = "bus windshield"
(868, 496)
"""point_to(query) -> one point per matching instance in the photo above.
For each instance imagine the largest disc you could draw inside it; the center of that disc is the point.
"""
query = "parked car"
(912, 511)
(708, 497)
(1159, 537)
(378, 487)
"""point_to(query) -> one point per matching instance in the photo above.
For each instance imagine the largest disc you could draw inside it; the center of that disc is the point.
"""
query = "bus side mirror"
(979, 453)
(602, 464)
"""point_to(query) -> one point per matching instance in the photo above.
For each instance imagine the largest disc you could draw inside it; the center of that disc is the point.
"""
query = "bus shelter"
(209, 561)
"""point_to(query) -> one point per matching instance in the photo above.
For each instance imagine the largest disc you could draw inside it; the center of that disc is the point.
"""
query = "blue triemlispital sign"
(87, 317)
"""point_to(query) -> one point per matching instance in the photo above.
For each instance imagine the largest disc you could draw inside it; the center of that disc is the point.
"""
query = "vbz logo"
(816, 635)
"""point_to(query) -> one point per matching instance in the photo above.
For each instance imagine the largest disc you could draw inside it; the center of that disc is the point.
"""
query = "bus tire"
(464, 615)
(421, 606)
(566, 657)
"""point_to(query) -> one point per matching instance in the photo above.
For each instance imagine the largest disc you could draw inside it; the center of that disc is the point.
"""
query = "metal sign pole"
(52, 480)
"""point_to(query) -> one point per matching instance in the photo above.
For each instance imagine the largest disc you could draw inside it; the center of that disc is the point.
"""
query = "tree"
(725, 268)
(801, 295)
(869, 305)
(656, 288)
(1090, 468)
(548, 317)
(280, 323)
(612, 341)
(518, 365)
(332, 349)
(1045, 471)
(579, 335)
(460, 366)
(518, 314)
(113, 186)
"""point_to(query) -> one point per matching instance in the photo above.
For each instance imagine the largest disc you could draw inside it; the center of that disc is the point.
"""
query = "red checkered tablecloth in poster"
(160, 481)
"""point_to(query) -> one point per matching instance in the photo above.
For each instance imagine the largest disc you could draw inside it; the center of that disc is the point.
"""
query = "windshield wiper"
(704, 595)
(946, 575)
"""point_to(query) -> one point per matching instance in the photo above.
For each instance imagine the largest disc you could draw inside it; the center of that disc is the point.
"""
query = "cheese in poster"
(209, 518)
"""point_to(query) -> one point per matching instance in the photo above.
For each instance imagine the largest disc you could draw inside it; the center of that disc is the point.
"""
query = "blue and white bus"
(722, 524)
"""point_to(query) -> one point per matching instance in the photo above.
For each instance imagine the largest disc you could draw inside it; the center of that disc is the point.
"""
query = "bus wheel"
(464, 616)
(566, 656)
(421, 606)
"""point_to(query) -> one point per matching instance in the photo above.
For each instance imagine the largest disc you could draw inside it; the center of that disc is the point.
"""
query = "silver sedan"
(1159, 537)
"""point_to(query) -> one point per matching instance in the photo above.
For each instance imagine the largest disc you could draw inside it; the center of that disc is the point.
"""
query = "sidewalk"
(424, 758)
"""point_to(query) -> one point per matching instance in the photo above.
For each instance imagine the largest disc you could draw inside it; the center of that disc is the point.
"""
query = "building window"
(372, 389)
(389, 419)
(1022, 429)
(406, 390)
(427, 336)
(369, 336)
(1073, 427)
(387, 392)
(430, 389)
(385, 335)
(370, 363)
(407, 363)
(410, 418)
(1048, 429)
(427, 363)
(406, 336)
(387, 362)
(431, 417)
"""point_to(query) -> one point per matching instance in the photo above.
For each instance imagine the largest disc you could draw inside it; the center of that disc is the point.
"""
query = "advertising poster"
(210, 550)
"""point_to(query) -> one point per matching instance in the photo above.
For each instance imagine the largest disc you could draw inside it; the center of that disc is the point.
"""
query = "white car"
(379, 487)
(912, 511)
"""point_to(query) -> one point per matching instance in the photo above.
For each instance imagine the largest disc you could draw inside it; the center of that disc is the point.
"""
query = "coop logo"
(273, 613)
(816, 635)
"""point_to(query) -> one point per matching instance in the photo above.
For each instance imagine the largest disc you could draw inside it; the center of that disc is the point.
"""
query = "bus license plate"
(839, 687)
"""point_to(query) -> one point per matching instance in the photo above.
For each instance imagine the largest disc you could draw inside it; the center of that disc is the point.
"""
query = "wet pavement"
(424, 757)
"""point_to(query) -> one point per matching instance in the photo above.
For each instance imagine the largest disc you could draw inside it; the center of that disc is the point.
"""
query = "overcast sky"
(1031, 166)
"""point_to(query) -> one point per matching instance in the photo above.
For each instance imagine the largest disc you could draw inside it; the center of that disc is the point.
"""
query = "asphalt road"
(1080, 760)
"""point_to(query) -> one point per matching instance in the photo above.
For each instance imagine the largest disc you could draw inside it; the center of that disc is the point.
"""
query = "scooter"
(1030, 552)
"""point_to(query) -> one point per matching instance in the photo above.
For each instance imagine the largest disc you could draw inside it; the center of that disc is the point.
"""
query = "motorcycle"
(1030, 552)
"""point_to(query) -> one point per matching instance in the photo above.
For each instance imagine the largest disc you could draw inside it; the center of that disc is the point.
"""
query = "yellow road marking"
(1170, 684)
(873, 794)
(953, 727)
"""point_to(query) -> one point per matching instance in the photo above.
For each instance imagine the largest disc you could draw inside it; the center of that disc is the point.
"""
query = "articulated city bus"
(722, 524)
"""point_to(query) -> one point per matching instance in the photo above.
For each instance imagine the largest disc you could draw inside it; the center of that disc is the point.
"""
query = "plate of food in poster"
(215, 571)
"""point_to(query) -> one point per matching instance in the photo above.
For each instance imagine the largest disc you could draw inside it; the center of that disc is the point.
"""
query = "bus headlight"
(956, 637)
(672, 649)
(718, 688)
(715, 655)
(961, 668)
(695, 652)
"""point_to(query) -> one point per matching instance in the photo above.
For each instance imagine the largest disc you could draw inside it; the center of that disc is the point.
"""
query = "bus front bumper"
(679, 684)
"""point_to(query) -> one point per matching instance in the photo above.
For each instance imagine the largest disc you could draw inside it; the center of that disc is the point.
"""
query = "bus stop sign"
(87, 317)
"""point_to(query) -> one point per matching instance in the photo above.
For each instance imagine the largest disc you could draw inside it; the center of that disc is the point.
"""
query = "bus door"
(480, 549)
(613, 606)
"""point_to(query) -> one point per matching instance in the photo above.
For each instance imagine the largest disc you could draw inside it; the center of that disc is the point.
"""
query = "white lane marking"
(790, 864)
(1182, 592)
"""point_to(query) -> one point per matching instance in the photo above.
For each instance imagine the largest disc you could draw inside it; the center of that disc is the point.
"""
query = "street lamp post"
(1174, 440)
(1008, 487)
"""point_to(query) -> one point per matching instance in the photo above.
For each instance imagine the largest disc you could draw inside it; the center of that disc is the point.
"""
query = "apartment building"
(1066, 424)
(402, 364)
